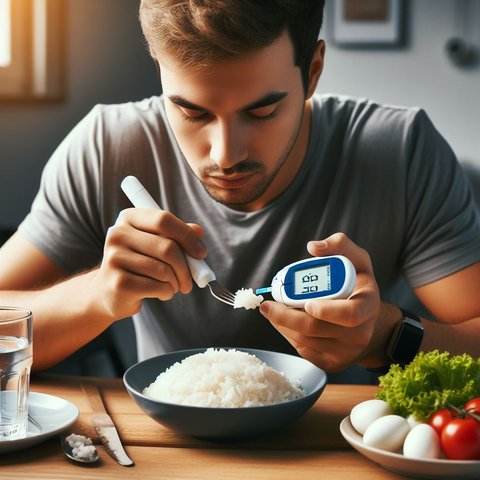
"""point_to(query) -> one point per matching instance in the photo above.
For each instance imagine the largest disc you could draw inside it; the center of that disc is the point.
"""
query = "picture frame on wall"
(367, 23)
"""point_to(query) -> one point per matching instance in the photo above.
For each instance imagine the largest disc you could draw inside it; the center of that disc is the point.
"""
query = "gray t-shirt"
(381, 174)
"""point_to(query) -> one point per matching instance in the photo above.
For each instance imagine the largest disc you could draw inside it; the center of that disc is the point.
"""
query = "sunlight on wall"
(31, 50)
(5, 33)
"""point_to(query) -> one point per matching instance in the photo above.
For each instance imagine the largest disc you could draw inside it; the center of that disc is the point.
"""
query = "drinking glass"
(15, 364)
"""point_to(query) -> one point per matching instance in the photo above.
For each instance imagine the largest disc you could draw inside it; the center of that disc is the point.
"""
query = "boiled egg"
(422, 442)
(365, 413)
(387, 433)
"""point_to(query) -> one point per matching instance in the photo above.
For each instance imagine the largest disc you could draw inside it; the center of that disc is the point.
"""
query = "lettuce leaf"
(429, 382)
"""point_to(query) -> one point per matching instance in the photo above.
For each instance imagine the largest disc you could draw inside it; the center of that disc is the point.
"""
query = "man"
(255, 171)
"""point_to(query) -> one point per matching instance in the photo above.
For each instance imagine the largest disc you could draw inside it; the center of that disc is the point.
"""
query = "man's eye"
(263, 113)
(193, 115)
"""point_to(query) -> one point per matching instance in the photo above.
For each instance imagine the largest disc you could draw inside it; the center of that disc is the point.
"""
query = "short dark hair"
(199, 33)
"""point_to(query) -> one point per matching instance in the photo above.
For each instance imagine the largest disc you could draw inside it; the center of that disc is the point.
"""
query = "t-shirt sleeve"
(64, 221)
(442, 234)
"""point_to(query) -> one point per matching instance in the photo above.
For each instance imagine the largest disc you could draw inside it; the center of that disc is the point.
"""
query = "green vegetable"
(429, 382)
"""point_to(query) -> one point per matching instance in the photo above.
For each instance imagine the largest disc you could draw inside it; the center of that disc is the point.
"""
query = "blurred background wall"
(419, 73)
(106, 61)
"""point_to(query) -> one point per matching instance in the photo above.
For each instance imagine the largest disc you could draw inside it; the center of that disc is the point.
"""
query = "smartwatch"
(406, 339)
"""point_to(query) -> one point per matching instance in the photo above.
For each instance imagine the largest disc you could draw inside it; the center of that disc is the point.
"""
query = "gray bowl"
(226, 424)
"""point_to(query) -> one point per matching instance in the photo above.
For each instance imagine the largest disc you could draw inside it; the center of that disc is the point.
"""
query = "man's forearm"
(455, 338)
(63, 318)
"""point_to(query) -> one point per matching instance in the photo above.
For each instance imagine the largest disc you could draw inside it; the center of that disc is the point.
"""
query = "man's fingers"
(340, 244)
(147, 254)
(165, 224)
(321, 318)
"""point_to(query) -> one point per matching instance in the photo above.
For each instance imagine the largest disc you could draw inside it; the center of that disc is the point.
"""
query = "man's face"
(242, 124)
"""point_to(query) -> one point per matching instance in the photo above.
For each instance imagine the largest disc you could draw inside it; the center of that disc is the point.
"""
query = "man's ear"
(316, 67)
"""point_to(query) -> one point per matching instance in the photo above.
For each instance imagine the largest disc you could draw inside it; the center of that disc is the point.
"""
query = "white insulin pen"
(140, 198)
(317, 277)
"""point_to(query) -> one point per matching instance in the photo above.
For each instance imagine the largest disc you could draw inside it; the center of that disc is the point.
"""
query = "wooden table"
(310, 448)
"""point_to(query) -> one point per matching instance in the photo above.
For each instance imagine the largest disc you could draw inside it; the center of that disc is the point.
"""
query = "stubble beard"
(254, 192)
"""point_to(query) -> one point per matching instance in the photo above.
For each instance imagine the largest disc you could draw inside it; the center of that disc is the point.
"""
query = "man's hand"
(336, 333)
(143, 258)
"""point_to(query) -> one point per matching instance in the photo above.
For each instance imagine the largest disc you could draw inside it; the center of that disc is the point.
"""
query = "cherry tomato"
(441, 418)
(460, 439)
(473, 406)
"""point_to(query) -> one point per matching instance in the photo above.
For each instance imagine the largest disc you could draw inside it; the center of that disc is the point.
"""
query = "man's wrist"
(375, 358)
(402, 341)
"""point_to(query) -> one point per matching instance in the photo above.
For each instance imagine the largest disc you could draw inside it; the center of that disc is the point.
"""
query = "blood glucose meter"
(316, 277)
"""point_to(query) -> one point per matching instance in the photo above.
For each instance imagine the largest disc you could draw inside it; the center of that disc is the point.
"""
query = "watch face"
(406, 341)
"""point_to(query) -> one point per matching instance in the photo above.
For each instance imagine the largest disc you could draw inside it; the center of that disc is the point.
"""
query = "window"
(31, 49)
(5, 34)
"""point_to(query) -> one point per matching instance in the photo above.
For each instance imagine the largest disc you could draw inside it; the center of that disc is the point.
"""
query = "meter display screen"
(313, 279)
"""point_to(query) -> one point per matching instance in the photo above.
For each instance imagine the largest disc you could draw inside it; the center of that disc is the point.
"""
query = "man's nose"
(227, 144)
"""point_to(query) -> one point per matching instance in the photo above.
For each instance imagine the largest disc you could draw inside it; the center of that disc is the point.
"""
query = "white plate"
(50, 415)
(395, 462)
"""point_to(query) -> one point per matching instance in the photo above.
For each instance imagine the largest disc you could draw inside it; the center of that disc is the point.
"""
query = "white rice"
(223, 378)
(245, 298)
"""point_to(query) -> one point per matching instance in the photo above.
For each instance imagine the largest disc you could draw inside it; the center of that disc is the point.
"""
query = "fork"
(201, 272)
(221, 293)
(204, 276)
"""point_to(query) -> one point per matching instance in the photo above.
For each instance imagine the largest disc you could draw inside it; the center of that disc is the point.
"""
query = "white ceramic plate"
(50, 415)
(395, 462)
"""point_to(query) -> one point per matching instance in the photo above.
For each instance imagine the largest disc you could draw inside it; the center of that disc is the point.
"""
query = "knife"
(104, 426)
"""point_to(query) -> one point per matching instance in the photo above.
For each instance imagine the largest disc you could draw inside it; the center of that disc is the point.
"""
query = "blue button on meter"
(317, 277)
